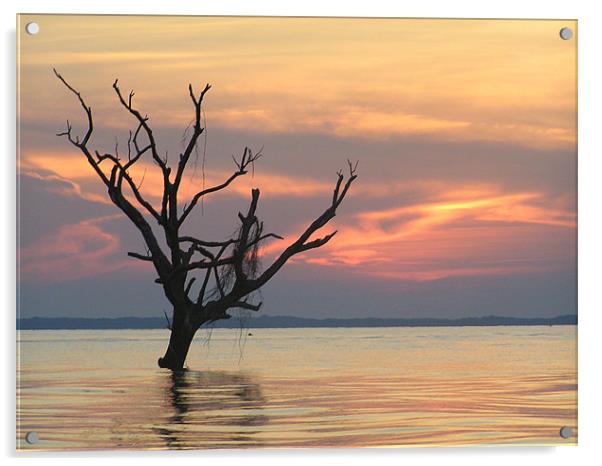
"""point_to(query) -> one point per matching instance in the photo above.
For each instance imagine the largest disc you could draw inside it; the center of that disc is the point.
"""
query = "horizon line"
(280, 321)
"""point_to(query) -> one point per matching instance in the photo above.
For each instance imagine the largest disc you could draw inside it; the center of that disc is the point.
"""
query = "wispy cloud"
(75, 251)
(83, 181)
(467, 231)
(375, 79)
(63, 186)
(442, 230)
(80, 179)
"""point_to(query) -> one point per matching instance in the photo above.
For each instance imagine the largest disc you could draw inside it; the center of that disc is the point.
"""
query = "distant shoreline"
(265, 321)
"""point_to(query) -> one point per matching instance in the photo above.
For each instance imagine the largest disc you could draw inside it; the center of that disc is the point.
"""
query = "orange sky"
(457, 79)
(439, 113)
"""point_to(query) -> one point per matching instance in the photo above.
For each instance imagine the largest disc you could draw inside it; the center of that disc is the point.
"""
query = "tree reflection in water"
(212, 410)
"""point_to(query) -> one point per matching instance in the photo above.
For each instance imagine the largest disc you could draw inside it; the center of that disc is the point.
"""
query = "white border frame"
(590, 224)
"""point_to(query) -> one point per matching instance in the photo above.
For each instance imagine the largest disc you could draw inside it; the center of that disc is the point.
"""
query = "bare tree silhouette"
(229, 268)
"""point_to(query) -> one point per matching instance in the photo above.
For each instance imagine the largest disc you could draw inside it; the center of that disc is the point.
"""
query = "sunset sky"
(465, 133)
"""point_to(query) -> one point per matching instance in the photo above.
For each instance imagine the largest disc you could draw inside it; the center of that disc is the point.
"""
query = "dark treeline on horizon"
(266, 321)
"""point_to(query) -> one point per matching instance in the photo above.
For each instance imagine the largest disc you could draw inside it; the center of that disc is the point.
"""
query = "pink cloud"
(79, 250)
(465, 231)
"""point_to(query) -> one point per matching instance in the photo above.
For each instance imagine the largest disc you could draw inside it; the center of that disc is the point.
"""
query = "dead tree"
(228, 270)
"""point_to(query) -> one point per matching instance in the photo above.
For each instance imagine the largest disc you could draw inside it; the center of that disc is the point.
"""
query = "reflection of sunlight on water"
(301, 387)
(226, 403)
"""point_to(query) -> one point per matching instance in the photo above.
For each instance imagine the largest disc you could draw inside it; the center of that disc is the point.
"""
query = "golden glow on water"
(360, 387)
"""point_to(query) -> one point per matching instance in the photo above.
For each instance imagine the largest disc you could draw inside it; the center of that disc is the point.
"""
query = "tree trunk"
(182, 333)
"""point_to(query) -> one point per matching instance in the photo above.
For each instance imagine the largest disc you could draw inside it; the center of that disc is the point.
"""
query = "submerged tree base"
(166, 363)
(180, 340)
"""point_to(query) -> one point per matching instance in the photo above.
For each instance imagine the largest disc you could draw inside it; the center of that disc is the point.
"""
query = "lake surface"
(318, 387)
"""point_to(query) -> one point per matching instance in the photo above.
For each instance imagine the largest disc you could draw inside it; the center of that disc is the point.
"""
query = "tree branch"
(246, 305)
(247, 159)
(200, 242)
(201, 295)
(159, 259)
(123, 174)
(152, 146)
(142, 257)
(142, 122)
(75, 141)
(197, 131)
(302, 244)
(189, 286)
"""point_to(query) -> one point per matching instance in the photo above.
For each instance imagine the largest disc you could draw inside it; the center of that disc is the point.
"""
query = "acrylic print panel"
(296, 232)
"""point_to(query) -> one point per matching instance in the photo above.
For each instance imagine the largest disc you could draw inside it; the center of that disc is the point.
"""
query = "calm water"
(299, 388)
